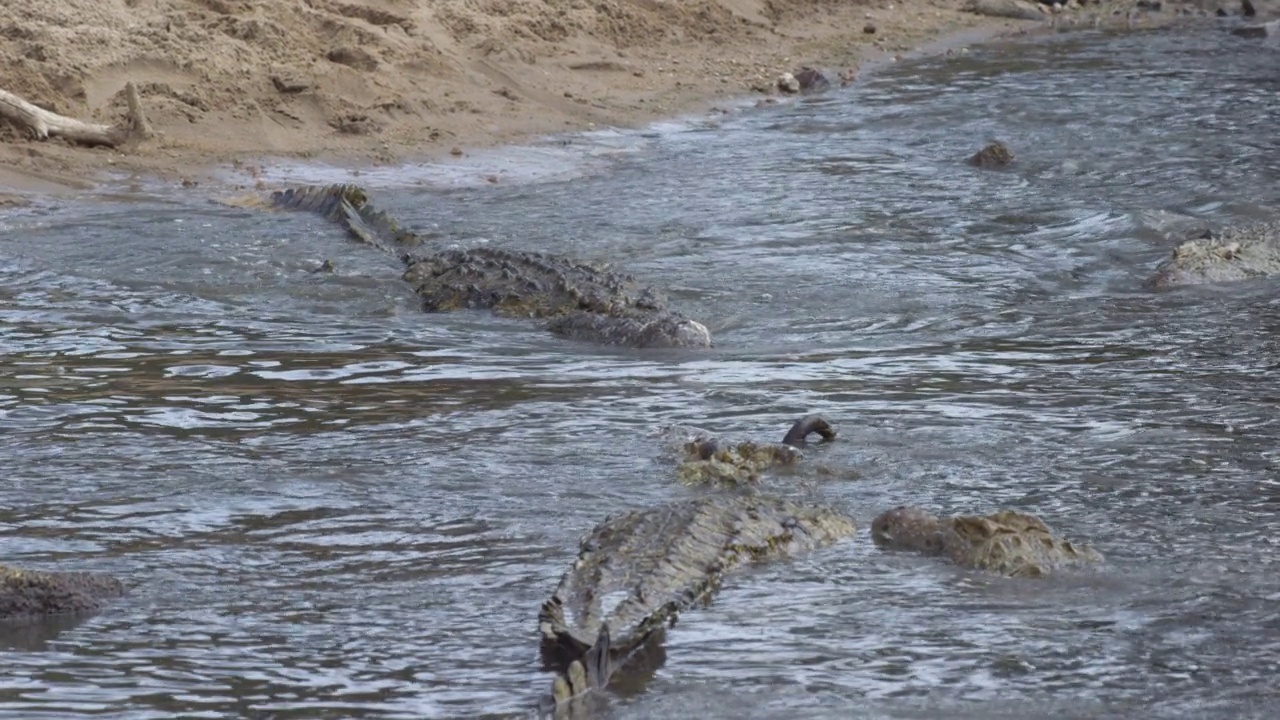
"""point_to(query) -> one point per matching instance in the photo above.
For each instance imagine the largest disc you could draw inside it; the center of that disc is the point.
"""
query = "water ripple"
(329, 504)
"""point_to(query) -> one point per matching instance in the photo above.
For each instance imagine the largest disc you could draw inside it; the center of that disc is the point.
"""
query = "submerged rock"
(1005, 542)
(994, 155)
(33, 594)
(804, 80)
(811, 80)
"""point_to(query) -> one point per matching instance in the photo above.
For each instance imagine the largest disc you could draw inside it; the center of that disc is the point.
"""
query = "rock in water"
(32, 594)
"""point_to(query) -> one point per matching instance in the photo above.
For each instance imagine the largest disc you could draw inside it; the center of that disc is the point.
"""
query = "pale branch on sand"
(43, 123)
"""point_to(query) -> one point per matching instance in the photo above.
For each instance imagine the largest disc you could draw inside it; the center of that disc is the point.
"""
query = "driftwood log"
(44, 124)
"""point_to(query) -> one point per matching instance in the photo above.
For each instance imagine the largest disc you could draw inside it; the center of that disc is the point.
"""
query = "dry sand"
(383, 81)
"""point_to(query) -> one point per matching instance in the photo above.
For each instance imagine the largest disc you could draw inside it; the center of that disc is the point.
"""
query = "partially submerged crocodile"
(1005, 542)
(636, 572)
(1228, 255)
(34, 594)
(577, 300)
(704, 458)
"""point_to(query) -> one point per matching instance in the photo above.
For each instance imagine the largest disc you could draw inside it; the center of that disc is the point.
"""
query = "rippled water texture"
(332, 505)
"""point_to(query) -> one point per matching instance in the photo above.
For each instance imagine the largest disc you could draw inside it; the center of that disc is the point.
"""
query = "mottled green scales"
(1005, 542)
(635, 573)
(574, 299)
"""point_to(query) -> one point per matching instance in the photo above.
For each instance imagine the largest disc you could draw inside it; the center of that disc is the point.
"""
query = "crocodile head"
(707, 458)
(910, 528)
(1230, 255)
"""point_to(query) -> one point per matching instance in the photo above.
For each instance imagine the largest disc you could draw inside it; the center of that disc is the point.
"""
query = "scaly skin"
(1229, 255)
(705, 458)
(32, 594)
(1005, 542)
(578, 301)
(636, 573)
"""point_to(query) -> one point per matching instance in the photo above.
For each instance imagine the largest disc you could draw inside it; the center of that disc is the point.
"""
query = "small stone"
(869, 29)
(994, 155)
(811, 80)
(456, 152)
(1269, 29)
(353, 57)
(288, 83)
(788, 83)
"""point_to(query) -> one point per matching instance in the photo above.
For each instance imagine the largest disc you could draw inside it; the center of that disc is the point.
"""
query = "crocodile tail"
(559, 645)
(326, 201)
(587, 673)
(374, 233)
(348, 205)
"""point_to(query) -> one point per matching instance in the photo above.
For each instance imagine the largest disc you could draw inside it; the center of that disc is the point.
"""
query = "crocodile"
(994, 155)
(34, 594)
(1218, 256)
(575, 300)
(1005, 542)
(636, 572)
(705, 458)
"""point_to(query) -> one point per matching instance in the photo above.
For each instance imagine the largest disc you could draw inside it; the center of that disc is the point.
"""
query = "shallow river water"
(329, 504)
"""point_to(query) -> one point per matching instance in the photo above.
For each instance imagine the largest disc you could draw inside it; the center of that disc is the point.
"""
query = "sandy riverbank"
(238, 82)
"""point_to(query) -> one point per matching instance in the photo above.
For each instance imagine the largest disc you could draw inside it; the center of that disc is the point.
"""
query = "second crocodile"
(706, 458)
(1228, 255)
(1005, 542)
(578, 301)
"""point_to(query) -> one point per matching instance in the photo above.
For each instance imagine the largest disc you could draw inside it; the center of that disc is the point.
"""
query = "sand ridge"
(379, 81)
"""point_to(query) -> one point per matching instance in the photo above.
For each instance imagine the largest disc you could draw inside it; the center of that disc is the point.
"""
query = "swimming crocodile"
(635, 573)
(577, 300)
(33, 594)
(1228, 255)
(1005, 542)
(705, 458)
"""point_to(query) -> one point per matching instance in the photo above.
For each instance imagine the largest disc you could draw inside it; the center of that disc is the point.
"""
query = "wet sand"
(363, 83)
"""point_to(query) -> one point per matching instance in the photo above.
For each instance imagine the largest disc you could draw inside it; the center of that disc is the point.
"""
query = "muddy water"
(332, 505)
